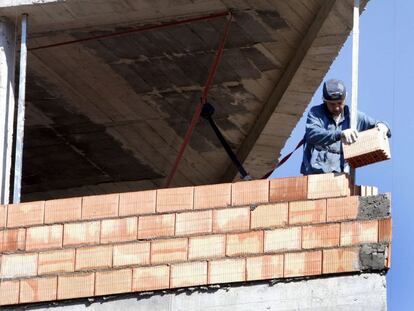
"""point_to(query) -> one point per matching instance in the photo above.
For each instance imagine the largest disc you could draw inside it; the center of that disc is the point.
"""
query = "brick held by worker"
(327, 125)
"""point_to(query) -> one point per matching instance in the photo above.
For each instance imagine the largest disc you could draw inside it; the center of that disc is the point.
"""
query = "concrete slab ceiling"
(109, 115)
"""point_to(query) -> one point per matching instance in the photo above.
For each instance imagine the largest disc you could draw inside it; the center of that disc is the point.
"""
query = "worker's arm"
(366, 122)
(316, 133)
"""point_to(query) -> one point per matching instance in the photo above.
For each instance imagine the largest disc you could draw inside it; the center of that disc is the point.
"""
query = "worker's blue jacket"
(323, 148)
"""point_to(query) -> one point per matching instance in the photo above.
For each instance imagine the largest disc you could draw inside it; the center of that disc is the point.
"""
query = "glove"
(349, 136)
(383, 128)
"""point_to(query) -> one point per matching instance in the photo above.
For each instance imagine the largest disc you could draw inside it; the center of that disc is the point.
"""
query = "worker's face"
(335, 107)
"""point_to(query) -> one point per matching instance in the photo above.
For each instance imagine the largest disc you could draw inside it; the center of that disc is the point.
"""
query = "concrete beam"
(14, 3)
(357, 292)
(7, 102)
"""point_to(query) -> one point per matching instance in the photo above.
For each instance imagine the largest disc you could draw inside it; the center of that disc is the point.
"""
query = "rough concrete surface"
(356, 292)
(374, 207)
(372, 256)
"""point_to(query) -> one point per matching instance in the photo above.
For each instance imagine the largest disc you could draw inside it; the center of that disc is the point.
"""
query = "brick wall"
(171, 238)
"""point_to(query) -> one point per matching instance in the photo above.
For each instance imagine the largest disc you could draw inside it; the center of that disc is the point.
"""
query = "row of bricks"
(176, 199)
(365, 191)
(236, 219)
(195, 248)
(180, 275)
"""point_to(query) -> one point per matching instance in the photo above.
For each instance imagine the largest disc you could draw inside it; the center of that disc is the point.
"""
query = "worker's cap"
(334, 90)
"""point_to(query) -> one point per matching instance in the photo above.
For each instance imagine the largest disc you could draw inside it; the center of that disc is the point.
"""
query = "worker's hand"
(383, 128)
(349, 136)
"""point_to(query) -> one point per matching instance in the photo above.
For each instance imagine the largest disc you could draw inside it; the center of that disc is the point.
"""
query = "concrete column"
(7, 103)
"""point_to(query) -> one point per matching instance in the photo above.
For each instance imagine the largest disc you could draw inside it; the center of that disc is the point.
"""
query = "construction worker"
(329, 123)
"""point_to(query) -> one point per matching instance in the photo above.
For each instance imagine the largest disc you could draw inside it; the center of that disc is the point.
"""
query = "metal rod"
(141, 29)
(207, 114)
(355, 63)
(229, 151)
(20, 114)
(194, 120)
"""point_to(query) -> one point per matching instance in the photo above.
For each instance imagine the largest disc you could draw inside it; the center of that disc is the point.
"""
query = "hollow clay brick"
(371, 146)
(339, 209)
(137, 203)
(244, 243)
(38, 289)
(226, 271)
(84, 233)
(44, 237)
(328, 186)
(167, 251)
(3, 216)
(269, 215)
(131, 254)
(385, 230)
(151, 278)
(288, 189)
(76, 285)
(264, 267)
(282, 239)
(154, 226)
(193, 223)
(56, 261)
(25, 214)
(9, 292)
(307, 212)
(320, 236)
(119, 230)
(63, 210)
(208, 246)
(359, 232)
(100, 206)
(250, 192)
(303, 264)
(212, 196)
(113, 282)
(12, 240)
(96, 257)
(18, 265)
(175, 199)
(188, 274)
(340, 260)
(231, 219)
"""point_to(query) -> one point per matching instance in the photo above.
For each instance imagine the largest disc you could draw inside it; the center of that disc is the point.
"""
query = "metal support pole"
(20, 114)
(355, 62)
(7, 103)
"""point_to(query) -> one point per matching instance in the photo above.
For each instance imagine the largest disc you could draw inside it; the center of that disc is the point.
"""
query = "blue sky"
(386, 77)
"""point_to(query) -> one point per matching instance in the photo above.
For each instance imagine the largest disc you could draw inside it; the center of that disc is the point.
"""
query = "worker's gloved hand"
(383, 128)
(349, 136)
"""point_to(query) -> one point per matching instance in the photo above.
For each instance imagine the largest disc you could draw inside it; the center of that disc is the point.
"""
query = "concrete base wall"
(357, 292)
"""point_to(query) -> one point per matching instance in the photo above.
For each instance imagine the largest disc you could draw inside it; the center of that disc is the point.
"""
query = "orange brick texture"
(372, 146)
(193, 236)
